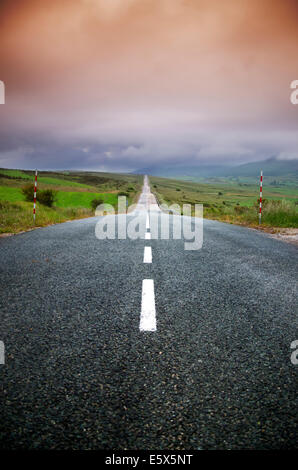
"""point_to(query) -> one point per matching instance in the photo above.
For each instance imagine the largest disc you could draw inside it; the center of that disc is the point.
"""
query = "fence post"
(261, 192)
(35, 190)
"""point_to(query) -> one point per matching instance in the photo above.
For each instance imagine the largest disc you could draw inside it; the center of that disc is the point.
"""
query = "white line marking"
(147, 254)
(2, 353)
(147, 236)
(147, 222)
(148, 316)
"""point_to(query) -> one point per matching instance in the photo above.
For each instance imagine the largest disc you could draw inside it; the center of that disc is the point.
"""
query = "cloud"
(287, 156)
(223, 152)
(118, 84)
(109, 9)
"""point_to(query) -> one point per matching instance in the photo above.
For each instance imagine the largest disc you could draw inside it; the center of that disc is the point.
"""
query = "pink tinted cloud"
(166, 74)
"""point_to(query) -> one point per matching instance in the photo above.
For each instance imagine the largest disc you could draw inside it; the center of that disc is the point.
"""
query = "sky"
(121, 85)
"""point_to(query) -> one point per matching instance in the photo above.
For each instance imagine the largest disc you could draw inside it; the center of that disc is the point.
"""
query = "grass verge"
(17, 216)
(231, 203)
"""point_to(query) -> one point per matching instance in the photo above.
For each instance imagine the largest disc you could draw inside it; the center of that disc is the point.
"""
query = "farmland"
(234, 200)
(74, 194)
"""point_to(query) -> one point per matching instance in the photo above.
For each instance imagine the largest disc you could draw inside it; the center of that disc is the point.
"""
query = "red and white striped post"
(35, 190)
(261, 193)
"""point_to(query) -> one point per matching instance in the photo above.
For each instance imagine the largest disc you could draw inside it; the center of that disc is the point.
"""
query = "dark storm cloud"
(117, 85)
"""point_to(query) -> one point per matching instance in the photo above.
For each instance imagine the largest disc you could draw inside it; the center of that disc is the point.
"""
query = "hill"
(271, 167)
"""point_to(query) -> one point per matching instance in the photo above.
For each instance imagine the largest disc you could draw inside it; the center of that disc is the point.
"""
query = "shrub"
(46, 197)
(220, 193)
(264, 203)
(123, 193)
(96, 202)
(28, 192)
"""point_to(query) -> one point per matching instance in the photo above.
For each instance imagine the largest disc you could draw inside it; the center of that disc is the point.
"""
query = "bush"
(46, 197)
(96, 202)
(28, 192)
(264, 203)
(122, 193)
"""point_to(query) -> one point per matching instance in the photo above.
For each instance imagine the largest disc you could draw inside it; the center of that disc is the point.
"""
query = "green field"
(89, 181)
(79, 199)
(74, 193)
(10, 194)
(15, 174)
(61, 182)
(64, 199)
(234, 202)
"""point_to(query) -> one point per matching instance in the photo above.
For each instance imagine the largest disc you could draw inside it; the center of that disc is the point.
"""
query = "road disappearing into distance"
(142, 344)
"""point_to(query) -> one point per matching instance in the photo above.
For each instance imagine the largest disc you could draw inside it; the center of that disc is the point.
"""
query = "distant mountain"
(200, 170)
(270, 167)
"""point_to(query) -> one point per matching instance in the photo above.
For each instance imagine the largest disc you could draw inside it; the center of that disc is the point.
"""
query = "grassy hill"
(232, 202)
(272, 168)
(231, 199)
(75, 191)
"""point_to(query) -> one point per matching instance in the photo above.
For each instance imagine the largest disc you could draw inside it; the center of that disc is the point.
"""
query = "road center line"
(147, 222)
(147, 236)
(147, 254)
(148, 315)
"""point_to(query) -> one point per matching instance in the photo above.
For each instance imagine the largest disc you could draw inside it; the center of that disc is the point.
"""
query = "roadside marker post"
(35, 190)
(261, 193)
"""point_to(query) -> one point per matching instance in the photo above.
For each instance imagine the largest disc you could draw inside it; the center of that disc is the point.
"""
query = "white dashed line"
(2, 353)
(147, 222)
(148, 316)
(147, 236)
(147, 254)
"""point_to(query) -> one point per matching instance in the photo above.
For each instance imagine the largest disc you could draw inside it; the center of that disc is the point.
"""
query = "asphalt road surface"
(210, 368)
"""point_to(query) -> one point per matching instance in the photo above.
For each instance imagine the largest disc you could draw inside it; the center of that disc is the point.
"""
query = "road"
(81, 373)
